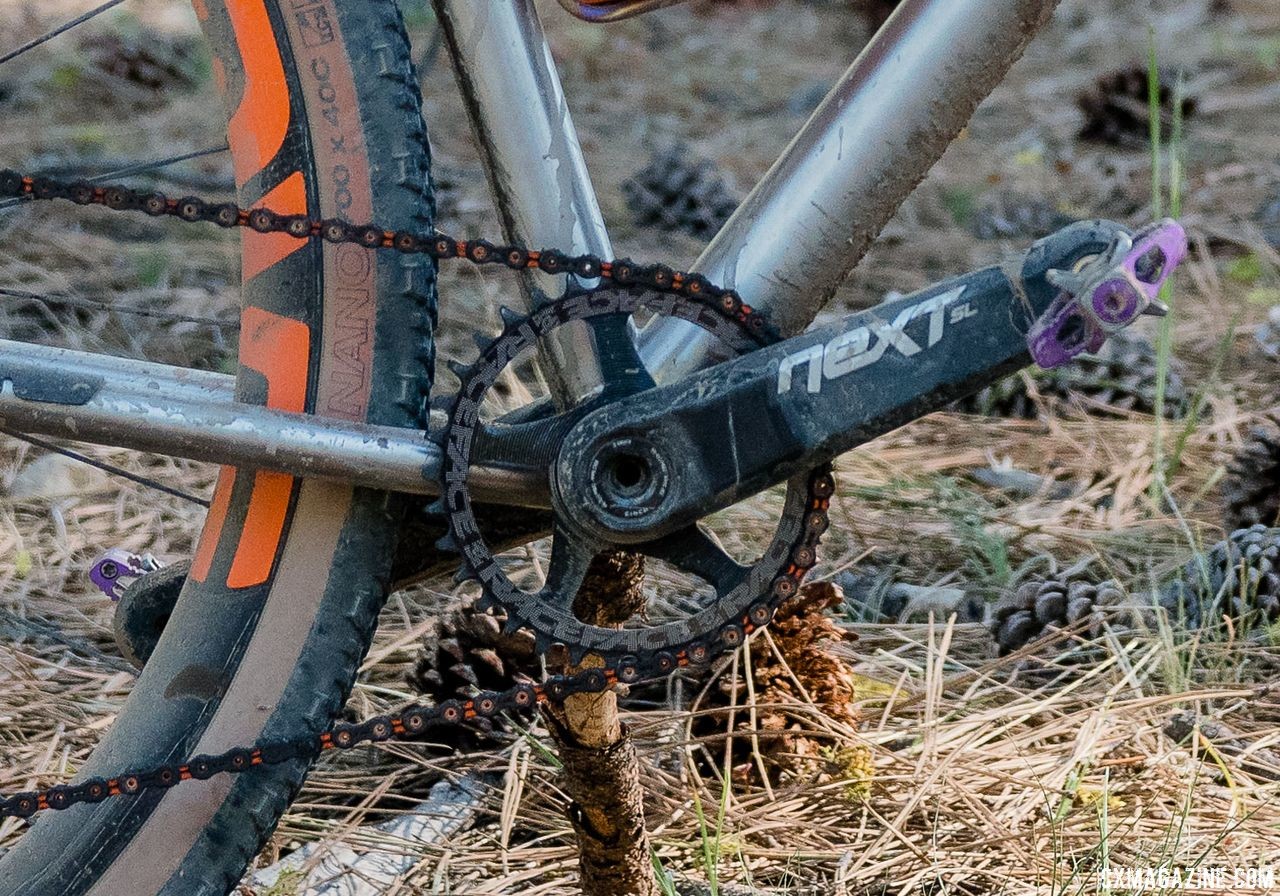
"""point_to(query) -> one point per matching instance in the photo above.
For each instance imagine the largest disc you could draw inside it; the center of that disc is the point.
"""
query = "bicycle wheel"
(289, 575)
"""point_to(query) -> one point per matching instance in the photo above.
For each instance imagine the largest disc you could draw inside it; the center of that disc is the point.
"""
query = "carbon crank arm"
(651, 464)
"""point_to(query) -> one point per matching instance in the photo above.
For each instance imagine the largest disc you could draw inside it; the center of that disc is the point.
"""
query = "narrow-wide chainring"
(746, 596)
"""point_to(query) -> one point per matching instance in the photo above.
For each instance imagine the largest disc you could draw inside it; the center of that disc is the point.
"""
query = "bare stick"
(601, 771)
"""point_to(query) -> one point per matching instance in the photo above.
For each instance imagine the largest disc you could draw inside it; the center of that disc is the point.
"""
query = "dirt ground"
(986, 774)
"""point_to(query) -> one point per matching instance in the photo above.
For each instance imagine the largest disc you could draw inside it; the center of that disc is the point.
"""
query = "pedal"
(114, 569)
(1107, 294)
(145, 593)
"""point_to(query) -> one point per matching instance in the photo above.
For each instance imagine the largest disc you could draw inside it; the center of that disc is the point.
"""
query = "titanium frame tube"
(892, 115)
(530, 150)
(192, 414)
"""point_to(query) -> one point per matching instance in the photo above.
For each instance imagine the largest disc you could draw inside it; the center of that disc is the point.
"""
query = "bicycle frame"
(786, 250)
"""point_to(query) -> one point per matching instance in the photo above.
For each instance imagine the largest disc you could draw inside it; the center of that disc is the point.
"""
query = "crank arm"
(722, 435)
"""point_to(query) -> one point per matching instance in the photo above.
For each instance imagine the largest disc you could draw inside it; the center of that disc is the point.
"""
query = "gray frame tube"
(193, 414)
(892, 115)
(533, 159)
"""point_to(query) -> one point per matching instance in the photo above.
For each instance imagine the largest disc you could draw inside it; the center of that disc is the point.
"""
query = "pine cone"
(1268, 334)
(1007, 397)
(677, 191)
(158, 65)
(1122, 375)
(1252, 485)
(469, 652)
(1117, 109)
(1239, 576)
(1040, 607)
(804, 635)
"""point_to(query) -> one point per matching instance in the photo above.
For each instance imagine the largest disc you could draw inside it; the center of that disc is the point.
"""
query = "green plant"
(1164, 339)
(665, 883)
(970, 516)
(712, 841)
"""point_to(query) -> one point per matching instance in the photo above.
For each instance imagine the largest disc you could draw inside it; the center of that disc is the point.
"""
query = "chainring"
(739, 607)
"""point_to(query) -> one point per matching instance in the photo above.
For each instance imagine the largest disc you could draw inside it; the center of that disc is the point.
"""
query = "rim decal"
(262, 250)
(258, 127)
(212, 531)
(263, 526)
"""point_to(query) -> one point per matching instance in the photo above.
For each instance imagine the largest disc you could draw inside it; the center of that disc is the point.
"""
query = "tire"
(289, 575)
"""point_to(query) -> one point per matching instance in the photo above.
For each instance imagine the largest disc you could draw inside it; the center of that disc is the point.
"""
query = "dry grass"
(991, 776)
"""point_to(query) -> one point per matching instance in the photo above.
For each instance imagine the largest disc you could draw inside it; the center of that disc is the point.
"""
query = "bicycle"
(325, 434)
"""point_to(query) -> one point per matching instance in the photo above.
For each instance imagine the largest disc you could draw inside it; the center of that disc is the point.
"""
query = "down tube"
(868, 145)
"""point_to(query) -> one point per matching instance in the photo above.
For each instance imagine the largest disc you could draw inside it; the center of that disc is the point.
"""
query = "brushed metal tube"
(177, 383)
(530, 150)
(183, 413)
(868, 145)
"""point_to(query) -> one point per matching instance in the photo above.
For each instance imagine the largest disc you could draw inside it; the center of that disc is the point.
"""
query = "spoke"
(105, 467)
(65, 301)
(566, 570)
(696, 550)
(61, 29)
(143, 167)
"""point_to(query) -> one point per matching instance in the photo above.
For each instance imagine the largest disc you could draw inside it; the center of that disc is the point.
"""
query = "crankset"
(639, 472)
(641, 467)
(626, 480)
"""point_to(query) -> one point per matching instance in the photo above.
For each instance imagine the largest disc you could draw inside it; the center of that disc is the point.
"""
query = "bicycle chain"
(416, 720)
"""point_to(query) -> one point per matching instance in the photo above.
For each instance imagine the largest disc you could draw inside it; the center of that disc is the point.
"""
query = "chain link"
(415, 721)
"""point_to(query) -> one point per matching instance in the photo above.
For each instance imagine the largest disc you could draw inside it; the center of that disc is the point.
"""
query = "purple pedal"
(1107, 294)
(112, 568)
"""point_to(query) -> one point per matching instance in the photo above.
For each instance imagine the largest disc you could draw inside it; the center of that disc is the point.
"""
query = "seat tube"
(534, 162)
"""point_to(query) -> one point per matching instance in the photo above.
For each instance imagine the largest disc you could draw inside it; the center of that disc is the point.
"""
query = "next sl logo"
(865, 345)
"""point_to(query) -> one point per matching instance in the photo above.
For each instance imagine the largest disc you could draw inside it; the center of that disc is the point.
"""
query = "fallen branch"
(1258, 762)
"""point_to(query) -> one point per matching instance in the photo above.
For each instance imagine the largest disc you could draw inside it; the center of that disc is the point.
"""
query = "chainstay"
(414, 721)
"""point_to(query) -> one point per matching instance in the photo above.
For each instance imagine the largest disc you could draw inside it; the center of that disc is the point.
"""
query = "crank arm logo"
(865, 345)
